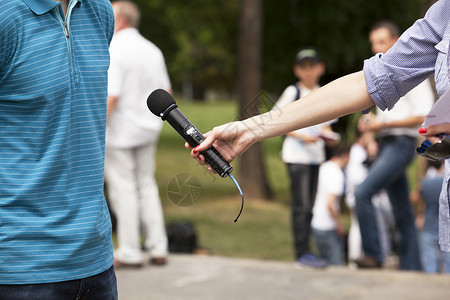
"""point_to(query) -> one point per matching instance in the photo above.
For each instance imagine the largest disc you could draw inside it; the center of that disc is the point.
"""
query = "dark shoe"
(158, 261)
(310, 261)
(368, 262)
(122, 265)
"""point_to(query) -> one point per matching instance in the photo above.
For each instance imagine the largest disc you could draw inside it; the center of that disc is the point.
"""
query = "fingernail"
(422, 130)
(199, 159)
(193, 151)
(195, 148)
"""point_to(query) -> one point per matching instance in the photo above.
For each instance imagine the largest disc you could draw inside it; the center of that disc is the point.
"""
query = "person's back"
(141, 64)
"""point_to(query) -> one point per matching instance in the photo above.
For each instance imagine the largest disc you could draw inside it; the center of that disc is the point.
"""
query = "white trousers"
(134, 198)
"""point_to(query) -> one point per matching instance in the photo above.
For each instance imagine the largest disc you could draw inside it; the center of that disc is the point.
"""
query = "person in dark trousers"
(303, 152)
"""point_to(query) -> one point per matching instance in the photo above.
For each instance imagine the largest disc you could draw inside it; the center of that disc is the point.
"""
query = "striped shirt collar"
(40, 7)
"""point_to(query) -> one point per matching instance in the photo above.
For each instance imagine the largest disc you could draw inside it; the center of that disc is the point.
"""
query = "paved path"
(189, 277)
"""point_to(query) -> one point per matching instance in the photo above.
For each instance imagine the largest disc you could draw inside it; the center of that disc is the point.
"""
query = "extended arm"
(343, 96)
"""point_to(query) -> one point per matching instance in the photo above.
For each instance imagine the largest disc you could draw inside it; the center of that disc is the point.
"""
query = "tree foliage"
(199, 37)
(337, 28)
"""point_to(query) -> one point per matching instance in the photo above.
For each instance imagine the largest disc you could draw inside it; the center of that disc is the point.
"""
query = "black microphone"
(163, 105)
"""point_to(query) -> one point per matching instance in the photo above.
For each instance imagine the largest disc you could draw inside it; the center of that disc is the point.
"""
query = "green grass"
(263, 231)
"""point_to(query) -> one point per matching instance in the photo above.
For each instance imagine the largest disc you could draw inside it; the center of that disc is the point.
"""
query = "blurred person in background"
(137, 68)
(362, 154)
(397, 137)
(327, 227)
(303, 151)
(433, 259)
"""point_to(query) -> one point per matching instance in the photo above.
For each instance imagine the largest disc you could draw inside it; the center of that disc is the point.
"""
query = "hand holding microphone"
(228, 139)
(163, 105)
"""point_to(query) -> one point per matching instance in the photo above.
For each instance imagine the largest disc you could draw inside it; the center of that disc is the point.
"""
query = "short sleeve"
(287, 97)
(8, 34)
(103, 10)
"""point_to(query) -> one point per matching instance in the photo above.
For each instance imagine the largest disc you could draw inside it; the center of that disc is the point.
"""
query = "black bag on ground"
(182, 237)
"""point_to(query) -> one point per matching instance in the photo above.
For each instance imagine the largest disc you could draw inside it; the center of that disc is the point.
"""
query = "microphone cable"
(242, 195)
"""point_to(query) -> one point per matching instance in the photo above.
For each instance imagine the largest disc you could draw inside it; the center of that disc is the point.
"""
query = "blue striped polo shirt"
(54, 223)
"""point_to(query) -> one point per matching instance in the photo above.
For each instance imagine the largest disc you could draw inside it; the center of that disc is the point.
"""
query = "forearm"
(342, 96)
(336, 99)
(408, 122)
(110, 105)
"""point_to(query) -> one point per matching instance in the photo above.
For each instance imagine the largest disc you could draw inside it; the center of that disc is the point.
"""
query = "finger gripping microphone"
(163, 105)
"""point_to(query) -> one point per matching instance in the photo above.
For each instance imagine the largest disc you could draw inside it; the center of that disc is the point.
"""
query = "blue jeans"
(389, 172)
(102, 286)
(330, 245)
(434, 260)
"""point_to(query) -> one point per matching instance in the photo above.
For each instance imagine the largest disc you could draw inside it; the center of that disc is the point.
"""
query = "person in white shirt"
(303, 151)
(397, 133)
(137, 68)
(327, 227)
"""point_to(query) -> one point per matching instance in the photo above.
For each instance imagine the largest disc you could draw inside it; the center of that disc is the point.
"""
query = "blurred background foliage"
(199, 38)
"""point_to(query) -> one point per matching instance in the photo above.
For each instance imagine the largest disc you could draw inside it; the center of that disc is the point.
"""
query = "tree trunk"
(252, 172)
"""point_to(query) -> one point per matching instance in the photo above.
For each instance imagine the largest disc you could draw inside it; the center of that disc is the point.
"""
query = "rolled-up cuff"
(379, 84)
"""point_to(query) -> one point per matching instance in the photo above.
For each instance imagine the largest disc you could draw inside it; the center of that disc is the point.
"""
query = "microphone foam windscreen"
(158, 101)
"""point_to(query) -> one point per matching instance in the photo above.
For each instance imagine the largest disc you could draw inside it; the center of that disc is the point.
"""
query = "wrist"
(253, 129)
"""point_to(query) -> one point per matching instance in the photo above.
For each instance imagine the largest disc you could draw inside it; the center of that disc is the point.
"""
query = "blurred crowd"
(389, 226)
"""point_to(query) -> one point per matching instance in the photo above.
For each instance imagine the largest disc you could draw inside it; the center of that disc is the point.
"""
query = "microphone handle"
(194, 137)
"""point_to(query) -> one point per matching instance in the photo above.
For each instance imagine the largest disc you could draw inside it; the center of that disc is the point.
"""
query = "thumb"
(210, 138)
